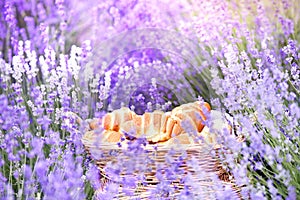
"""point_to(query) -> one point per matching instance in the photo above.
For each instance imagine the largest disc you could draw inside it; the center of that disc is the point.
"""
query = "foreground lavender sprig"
(41, 151)
(260, 102)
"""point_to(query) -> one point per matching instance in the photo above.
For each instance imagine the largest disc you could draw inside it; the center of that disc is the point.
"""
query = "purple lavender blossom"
(242, 57)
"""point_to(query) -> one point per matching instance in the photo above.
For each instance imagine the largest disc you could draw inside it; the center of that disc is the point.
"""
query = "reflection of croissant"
(156, 126)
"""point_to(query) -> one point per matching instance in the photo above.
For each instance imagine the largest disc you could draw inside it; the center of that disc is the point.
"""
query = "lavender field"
(60, 59)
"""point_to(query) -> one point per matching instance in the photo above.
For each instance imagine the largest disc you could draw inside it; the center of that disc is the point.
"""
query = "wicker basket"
(107, 155)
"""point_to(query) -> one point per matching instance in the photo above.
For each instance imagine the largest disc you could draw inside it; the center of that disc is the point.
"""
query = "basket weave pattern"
(151, 160)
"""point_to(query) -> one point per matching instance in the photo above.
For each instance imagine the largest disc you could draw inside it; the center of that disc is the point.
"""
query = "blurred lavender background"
(90, 57)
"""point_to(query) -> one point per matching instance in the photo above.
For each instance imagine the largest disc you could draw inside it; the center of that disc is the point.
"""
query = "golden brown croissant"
(156, 126)
(106, 136)
(184, 138)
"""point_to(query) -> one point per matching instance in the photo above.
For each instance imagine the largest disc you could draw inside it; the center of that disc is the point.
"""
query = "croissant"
(106, 136)
(184, 138)
(156, 126)
(192, 112)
